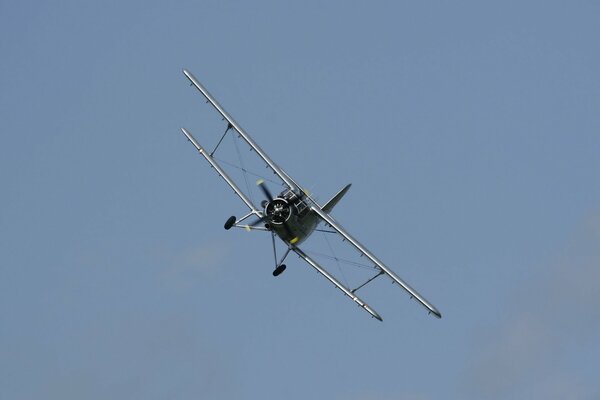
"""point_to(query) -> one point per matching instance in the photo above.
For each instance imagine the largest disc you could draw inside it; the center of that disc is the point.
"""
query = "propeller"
(277, 210)
(265, 190)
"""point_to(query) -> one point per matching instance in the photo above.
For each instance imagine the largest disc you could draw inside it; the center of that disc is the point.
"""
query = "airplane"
(293, 215)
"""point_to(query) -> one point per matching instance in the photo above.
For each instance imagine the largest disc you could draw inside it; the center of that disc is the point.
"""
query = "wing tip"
(373, 313)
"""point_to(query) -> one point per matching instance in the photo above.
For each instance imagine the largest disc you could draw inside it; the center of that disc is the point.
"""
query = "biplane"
(293, 215)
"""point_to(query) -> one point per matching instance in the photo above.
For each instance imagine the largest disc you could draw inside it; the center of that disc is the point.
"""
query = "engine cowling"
(278, 211)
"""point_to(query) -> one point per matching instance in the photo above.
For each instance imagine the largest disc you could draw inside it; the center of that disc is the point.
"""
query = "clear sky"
(471, 134)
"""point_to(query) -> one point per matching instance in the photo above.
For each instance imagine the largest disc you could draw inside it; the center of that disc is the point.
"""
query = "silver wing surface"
(335, 282)
(222, 174)
(233, 124)
(363, 250)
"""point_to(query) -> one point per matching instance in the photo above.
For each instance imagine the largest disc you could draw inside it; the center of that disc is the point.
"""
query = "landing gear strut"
(279, 267)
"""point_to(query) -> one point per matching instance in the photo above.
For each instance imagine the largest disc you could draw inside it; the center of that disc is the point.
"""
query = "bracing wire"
(237, 149)
(337, 260)
(246, 171)
(342, 260)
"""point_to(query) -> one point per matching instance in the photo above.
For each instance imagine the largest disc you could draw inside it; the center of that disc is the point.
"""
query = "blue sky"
(470, 132)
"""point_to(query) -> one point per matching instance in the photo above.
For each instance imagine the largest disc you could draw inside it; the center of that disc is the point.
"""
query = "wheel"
(229, 223)
(279, 270)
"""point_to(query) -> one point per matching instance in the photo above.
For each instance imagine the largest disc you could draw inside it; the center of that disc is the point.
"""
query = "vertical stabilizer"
(335, 199)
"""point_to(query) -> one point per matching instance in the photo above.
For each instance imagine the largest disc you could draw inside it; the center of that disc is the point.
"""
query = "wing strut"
(222, 174)
(343, 288)
(368, 281)
(220, 140)
(270, 163)
(363, 250)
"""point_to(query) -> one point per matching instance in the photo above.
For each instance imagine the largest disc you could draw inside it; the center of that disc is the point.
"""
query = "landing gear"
(279, 270)
(279, 266)
(229, 223)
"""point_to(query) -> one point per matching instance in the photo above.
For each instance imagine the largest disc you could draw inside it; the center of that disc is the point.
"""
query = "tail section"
(335, 199)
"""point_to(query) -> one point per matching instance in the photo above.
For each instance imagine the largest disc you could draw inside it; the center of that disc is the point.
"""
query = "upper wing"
(338, 228)
(270, 163)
